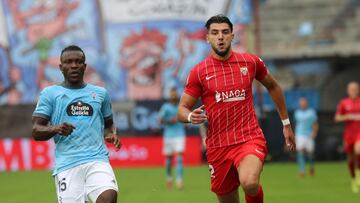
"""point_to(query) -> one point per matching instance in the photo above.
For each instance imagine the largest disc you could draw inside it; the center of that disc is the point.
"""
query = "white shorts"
(304, 143)
(173, 145)
(84, 182)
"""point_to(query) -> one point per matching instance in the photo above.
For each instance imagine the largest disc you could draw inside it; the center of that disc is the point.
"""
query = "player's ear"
(61, 68)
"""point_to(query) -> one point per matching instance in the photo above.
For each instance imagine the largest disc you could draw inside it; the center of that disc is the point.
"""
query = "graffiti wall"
(136, 49)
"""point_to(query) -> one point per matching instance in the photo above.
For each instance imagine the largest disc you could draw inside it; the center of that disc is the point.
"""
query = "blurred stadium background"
(138, 50)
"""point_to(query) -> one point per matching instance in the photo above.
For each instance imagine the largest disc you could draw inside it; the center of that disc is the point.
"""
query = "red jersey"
(225, 88)
(350, 107)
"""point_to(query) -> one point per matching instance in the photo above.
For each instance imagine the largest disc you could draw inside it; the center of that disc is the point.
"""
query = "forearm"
(109, 128)
(43, 133)
(340, 118)
(279, 101)
(315, 130)
(183, 113)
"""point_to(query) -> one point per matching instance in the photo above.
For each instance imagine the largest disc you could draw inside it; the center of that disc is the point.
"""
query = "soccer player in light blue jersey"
(173, 139)
(78, 116)
(305, 130)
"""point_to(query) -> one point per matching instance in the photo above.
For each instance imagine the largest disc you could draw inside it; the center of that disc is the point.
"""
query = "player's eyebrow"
(217, 30)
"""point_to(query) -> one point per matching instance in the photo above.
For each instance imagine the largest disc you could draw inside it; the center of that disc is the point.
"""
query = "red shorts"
(224, 161)
(349, 142)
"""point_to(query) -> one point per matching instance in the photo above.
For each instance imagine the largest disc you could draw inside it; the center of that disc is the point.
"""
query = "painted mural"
(136, 49)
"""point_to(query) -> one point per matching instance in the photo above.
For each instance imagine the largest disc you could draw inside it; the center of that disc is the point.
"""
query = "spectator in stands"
(305, 133)
(348, 111)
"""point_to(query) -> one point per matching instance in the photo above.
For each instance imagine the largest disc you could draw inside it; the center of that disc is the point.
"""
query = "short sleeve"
(44, 106)
(193, 85)
(296, 115)
(106, 107)
(162, 111)
(340, 110)
(261, 70)
(315, 117)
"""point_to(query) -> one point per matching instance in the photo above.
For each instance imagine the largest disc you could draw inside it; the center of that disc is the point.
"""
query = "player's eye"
(77, 62)
(226, 31)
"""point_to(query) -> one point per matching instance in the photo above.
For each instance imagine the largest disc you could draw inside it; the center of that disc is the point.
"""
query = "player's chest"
(80, 104)
(227, 77)
(352, 106)
(303, 116)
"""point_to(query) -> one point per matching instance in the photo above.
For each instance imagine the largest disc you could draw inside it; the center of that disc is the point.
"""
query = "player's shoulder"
(52, 89)
(202, 64)
(249, 56)
(344, 101)
(166, 105)
(96, 88)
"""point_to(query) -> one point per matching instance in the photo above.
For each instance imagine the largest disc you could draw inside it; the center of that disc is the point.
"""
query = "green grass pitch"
(281, 184)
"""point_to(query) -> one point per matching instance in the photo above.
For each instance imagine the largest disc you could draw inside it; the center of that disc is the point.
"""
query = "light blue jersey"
(171, 130)
(85, 108)
(305, 119)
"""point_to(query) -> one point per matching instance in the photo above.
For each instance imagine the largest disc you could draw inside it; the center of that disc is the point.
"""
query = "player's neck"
(221, 58)
(70, 85)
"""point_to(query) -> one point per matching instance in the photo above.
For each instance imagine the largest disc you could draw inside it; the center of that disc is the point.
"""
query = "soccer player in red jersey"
(236, 147)
(348, 111)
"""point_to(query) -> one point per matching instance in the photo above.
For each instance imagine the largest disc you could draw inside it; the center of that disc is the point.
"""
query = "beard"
(221, 53)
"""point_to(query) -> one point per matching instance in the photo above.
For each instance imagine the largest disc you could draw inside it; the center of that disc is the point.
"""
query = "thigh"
(348, 146)
(250, 169)
(310, 145)
(251, 160)
(179, 144)
(300, 142)
(168, 146)
(99, 178)
(70, 185)
(357, 144)
(223, 173)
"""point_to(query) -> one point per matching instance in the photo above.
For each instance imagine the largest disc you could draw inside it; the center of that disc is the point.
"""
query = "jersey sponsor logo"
(244, 70)
(209, 77)
(79, 109)
(230, 96)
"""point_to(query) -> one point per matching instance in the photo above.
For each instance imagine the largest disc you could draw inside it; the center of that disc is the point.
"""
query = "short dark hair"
(72, 48)
(219, 19)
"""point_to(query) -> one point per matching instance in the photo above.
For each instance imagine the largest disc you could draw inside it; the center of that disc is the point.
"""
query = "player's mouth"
(221, 45)
(75, 74)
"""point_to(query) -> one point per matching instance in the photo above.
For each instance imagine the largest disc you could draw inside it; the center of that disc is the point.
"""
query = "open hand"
(198, 115)
(64, 129)
(114, 139)
(289, 138)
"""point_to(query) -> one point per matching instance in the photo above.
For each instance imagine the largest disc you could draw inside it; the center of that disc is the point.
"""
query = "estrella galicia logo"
(79, 110)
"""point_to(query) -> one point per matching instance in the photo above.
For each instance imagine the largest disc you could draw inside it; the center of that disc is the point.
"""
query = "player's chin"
(222, 51)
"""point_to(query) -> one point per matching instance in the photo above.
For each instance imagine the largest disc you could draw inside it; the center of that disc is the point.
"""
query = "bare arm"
(41, 131)
(341, 118)
(315, 130)
(277, 96)
(186, 104)
(172, 120)
(111, 135)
